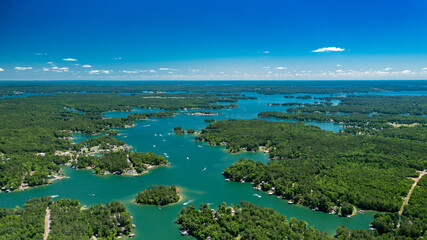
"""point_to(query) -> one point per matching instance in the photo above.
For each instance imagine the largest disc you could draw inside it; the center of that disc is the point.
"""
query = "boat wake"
(186, 203)
(257, 195)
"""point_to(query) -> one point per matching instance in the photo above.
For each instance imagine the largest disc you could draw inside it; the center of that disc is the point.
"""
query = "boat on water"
(154, 145)
(257, 195)
(188, 158)
(54, 196)
(204, 169)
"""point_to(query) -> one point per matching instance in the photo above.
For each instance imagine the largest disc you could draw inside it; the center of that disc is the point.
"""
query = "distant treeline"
(283, 87)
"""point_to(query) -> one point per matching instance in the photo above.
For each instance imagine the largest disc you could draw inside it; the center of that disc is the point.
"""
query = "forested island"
(158, 195)
(64, 219)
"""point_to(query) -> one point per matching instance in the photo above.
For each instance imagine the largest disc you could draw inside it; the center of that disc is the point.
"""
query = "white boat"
(188, 158)
(54, 196)
(154, 145)
(257, 195)
(204, 169)
(199, 146)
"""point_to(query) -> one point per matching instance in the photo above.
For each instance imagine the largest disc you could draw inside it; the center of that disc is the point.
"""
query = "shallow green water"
(198, 176)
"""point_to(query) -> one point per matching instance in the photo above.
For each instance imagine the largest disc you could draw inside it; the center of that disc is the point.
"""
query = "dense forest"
(69, 220)
(33, 128)
(321, 169)
(248, 221)
(158, 195)
(244, 221)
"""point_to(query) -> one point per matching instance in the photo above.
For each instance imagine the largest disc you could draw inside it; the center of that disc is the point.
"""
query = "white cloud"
(1, 70)
(99, 71)
(406, 71)
(118, 58)
(329, 49)
(167, 69)
(338, 65)
(266, 67)
(60, 69)
(45, 69)
(40, 54)
(424, 69)
(281, 68)
(266, 52)
(69, 59)
(23, 68)
(125, 71)
(87, 66)
(339, 71)
(388, 68)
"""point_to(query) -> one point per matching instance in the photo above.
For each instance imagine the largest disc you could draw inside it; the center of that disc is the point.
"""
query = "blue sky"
(207, 40)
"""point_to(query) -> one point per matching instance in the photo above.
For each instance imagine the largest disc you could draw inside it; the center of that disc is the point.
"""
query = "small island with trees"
(158, 195)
